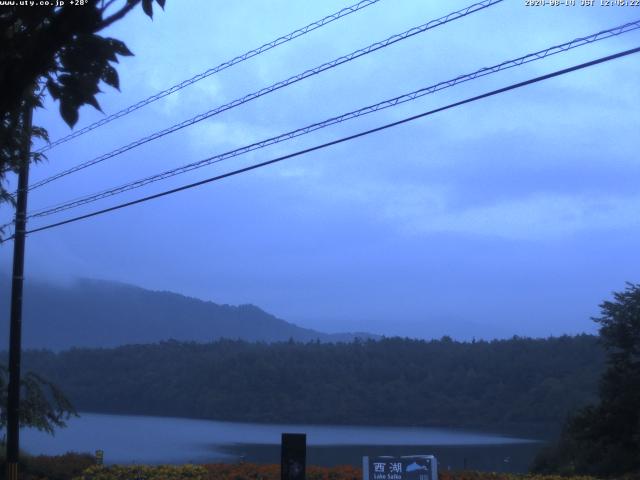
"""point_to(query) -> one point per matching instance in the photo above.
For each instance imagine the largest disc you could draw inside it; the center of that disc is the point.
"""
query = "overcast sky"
(516, 214)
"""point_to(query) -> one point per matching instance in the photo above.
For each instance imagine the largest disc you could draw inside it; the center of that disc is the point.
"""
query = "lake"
(141, 439)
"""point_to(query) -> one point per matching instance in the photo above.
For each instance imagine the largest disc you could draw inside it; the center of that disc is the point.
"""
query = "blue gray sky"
(515, 215)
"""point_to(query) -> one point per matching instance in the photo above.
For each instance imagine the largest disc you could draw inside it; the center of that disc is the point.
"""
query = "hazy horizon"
(460, 330)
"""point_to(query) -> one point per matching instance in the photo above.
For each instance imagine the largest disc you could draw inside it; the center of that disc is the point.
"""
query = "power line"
(276, 86)
(223, 66)
(340, 140)
(341, 118)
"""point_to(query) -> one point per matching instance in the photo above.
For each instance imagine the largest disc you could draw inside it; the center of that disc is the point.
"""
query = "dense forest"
(511, 385)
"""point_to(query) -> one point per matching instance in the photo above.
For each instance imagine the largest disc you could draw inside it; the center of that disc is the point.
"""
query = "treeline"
(504, 385)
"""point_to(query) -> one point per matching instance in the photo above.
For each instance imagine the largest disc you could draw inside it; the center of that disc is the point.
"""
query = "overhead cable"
(339, 119)
(276, 86)
(223, 66)
(338, 141)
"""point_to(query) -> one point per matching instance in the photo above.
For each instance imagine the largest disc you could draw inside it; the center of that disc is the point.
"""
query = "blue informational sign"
(410, 467)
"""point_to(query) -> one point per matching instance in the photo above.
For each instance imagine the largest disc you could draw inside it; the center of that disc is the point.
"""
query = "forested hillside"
(96, 313)
(507, 384)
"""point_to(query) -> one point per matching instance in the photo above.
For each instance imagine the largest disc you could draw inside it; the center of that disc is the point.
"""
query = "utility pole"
(15, 329)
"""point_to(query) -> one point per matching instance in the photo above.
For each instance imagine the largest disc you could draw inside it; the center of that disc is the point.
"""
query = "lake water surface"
(140, 439)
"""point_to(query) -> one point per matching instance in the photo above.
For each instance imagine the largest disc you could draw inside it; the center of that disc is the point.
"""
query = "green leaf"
(54, 89)
(69, 112)
(110, 77)
(91, 100)
(147, 6)
(119, 47)
(40, 132)
(37, 157)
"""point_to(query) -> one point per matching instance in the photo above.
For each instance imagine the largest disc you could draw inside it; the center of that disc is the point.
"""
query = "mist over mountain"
(96, 313)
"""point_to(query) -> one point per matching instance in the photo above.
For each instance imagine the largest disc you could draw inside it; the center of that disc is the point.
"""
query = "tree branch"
(117, 16)
(105, 7)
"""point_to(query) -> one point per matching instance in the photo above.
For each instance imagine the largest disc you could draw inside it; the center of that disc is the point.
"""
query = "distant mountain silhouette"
(96, 313)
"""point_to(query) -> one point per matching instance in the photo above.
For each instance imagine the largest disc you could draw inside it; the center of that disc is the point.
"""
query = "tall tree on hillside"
(57, 49)
(605, 439)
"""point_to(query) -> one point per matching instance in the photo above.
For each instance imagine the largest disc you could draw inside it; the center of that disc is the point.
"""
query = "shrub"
(45, 467)
(144, 472)
(59, 467)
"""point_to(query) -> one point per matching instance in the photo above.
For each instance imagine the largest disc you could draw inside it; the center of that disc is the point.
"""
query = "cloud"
(536, 217)
(209, 136)
(513, 183)
(417, 209)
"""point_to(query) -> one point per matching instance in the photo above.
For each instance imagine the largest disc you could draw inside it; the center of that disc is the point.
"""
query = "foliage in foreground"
(473, 475)
(249, 471)
(75, 466)
(56, 47)
(45, 467)
(42, 404)
(144, 472)
(604, 439)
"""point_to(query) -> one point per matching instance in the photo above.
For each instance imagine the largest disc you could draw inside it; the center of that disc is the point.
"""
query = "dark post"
(293, 456)
(15, 329)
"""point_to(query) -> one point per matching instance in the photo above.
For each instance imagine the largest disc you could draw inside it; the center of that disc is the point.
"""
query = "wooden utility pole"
(15, 328)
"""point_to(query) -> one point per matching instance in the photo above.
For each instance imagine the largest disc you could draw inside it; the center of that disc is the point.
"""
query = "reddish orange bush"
(72, 465)
(251, 471)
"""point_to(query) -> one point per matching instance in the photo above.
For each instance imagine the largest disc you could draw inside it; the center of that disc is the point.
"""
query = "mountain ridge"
(100, 313)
